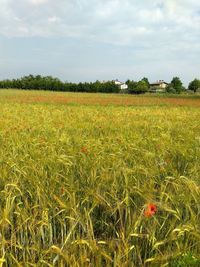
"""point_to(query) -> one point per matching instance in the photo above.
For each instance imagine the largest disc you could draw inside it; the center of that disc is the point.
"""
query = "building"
(122, 86)
(158, 86)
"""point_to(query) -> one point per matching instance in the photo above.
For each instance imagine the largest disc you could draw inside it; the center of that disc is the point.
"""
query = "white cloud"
(54, 19)
(100, 19)
(38, 2)
(167, 29)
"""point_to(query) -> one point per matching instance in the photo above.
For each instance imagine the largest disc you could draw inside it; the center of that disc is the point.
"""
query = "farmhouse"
(121, 85)
(158, 86)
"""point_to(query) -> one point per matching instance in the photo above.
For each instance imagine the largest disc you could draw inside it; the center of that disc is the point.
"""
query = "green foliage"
(147, 81)
(132, 85)
(38, 82)
(137, 87)
(170, 89)
(142, 87)
(175, 85)
(186, 260)
(194, 85)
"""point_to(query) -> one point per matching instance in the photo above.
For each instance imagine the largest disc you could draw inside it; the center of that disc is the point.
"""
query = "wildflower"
(84, 150)
(150, 210)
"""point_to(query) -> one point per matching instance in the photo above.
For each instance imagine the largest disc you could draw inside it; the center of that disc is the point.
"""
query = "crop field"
(91, 180)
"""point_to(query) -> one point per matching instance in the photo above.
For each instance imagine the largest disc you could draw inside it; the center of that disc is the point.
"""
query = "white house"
(121, 85)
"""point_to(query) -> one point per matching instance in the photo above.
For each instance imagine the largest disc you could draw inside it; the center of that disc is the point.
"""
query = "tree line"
(50, 83)
(38, 82)
(176, 86)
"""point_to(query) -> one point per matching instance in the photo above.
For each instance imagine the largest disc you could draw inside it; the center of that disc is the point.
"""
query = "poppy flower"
(84, 150)
(150, 210)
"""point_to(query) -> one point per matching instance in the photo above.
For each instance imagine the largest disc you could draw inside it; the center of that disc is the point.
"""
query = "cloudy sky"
(86, 40)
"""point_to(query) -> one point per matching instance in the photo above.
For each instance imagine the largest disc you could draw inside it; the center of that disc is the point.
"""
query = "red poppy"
(150, 210)
(84, 150)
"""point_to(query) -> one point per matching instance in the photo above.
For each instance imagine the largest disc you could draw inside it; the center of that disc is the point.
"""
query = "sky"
(89, 40)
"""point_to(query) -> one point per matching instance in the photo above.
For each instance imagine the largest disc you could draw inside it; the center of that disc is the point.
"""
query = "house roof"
(115, 81)
(158, 82)
(118, 82)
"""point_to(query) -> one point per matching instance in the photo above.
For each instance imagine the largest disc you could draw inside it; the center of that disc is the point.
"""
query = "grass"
(76, 179)
(27, 97)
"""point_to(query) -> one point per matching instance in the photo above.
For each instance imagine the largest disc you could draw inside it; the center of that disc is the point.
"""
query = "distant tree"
(131, 86)
(170, 89)
(177, 85)
(142, 87)
(147, 81)
(137, 87)
(194, 85)
(97, 86)
(110, 87)
(6, 84)
(38, 82)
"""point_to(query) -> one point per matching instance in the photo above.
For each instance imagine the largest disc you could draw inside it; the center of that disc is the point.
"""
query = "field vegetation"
(49, 83)
(79, 173)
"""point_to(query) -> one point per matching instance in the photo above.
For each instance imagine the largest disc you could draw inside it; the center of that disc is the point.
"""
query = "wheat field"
(78, 172)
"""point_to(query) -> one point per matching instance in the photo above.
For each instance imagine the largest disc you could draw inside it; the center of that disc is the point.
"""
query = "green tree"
(131, 86)
(141, 87)
(137, 87)
(170, 89)
(177, 85)
(194, 85)
(147, 81)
